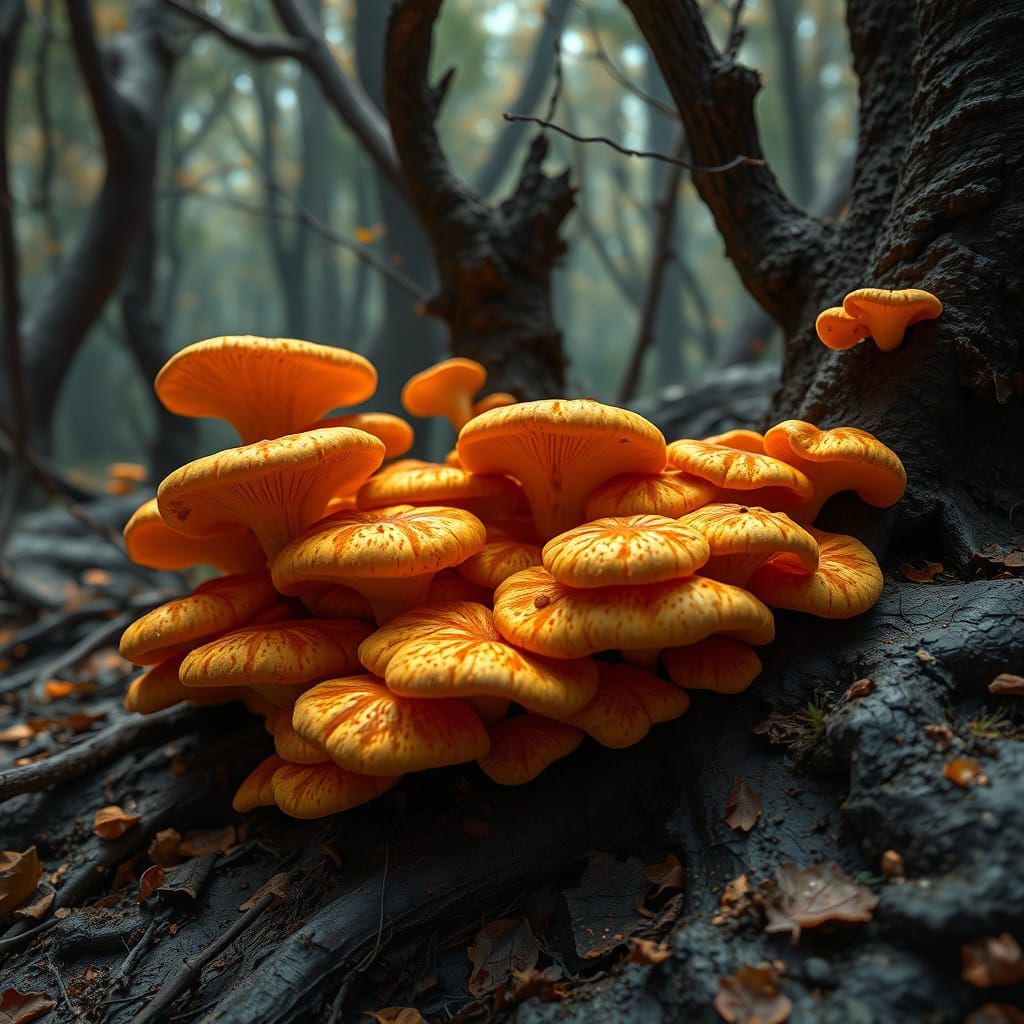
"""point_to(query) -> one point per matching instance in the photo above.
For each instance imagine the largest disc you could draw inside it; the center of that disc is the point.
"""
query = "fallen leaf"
(95, 577)
(667, 876)
(995, 960)
(995, 1013)
(965, 772)
(501, 947)
(535, 984)
(151, 880)
(736, 900)
(925, 575)
(752, 996)
(1007, 684)
(16, 733)
(808, 897)
(163, 850)
(21, 1007)
(19, 876)
(54, 689)
(111, 822)
(396, 1015)
(278, 885)
(208, 840)
(940, 735)
(743, 807)
(36, 910)
(892, 865)
(647, 951)
(861, 688)
(603, 908)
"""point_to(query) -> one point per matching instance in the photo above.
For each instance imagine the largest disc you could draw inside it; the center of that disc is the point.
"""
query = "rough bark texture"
(495, 263)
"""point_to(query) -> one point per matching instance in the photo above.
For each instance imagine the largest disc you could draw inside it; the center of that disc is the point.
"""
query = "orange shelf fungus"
(256, 789)
(263, 387)
(742, 440)
(721, 664)
(560, 451)
(160, 688)
(451, 585)
(338, 602)
(838, 330)
(445, 389)
(276, 488)
(393, 432)
(316, 790)
(367, 728)
(523, 746)
(495, 400)
(841, 459)
(669, 493)
(498, 559)
(888, 314)
(290, 745)
(453, 650)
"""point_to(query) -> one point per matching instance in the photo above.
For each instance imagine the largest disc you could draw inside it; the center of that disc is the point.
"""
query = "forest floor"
(841, 843)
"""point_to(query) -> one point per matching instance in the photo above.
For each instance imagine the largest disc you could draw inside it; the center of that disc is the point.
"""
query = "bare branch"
(256, 44)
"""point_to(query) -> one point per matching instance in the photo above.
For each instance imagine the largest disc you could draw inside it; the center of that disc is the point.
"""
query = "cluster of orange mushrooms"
(564, 573)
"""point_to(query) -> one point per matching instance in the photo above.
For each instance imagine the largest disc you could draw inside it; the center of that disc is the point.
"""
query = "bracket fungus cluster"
(876, 313)
(565, 574)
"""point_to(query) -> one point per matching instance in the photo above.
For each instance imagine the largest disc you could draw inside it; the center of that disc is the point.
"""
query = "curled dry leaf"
(861, 688)
(925, 575)
(965, 772)
(41, 903)
(278, 885)
(666, 876)
(113, 821)
(994, 960)
(1007, 684)
(19, 876)
(396, 1015)
(647, 951)
(737, 899)
(21, 1007)
(743, 807)
(151, 880)
(501, 947)
(208, 840)
(752, 996)
(808, 897)
(892, 865)
(535, 984)
(163, 850)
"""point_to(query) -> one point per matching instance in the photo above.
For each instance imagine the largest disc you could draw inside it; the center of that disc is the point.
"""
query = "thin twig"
(736, 161)
(735, 38)
(256, 44)
(119, 978)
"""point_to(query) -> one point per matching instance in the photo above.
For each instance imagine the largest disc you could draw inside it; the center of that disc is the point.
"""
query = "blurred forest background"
(271, 219)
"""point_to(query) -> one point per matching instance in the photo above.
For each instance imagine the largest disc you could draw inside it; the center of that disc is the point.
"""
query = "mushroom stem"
(737, 569)
(643, 657)
(391, 597)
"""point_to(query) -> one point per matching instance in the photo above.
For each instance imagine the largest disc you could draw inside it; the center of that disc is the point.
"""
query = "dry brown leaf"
(16, 733)
(667, 876)
(752, 996)
(603, 908)
(1007, 684)
(647, 951)
(36, 910)
(743, 807)
(994, 960)
(125, 874)
(208, 840)
(965, 772)
(112, 822)
(151, 880)
(19, 876)
(808, 897)
(501, 947)
(163, 850)
(925, 575)
(861, 688)
(54, 689)
(892, 865)
(995, 1013)
(535, 984)
(737, 899)
(278, 885)
(396, 1015)
(21, 1007)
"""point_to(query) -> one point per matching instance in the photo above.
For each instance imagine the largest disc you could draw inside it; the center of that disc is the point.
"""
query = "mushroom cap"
(277, 488)
(393, 432)
(628, 702)
(453, 650)
(732, 469)
(625, 550)
(290, 745)
(888, 314)
(214, 607)
(450, 585)
(498, 559)
(160, 688)
(445, 389)
(388, 543)
(523, 746)
(292, 652)
(152, 543)
(338, 602)
(264, 387)
(560, 450)
(316, 790)
(743, 537)
(719, 663)
(847, 581)
(367, 728)
(487, 496)
(744, 440)
(534, 611)
(495, 400)
(840, 459)
(669, 493)
(838, 330)
(256, 790)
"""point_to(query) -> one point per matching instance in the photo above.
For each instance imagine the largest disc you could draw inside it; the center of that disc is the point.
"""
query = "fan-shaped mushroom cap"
(256, 790)
(369, 729)
(393, 432)
(742, 476)
(290, 745)
(719, 663)
(151, 542)
(742, 538)
(389, 555)
(669, 493)
(338, 602)
(846, 582)
(289, 653)
(486, 496)
(498, 559)
(316, 790)
(523, 746)
(453, 650)
(264, 387)
(628, 702)
(214, 607)
(277, 488)
(838, 330)
(445, 389)
(560, 451)
(534, 611)
(744, 440)
(626, 550)
(160, 688)
(841, 459)
(887, 314)
(495, 400)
